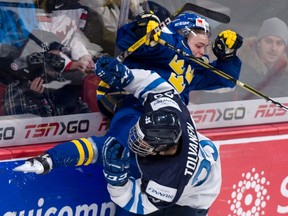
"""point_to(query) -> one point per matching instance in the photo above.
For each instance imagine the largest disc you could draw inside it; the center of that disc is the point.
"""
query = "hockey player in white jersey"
(180, 169)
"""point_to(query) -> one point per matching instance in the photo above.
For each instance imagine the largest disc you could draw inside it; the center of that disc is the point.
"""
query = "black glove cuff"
(219, 50)
(43, 160)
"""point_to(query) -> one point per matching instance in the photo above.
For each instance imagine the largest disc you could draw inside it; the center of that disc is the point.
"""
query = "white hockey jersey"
(191, 178)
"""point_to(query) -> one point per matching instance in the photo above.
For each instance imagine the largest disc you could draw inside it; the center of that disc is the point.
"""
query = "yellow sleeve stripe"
(102, 88)
(81, 152)
(90, 151)
(98, 92)
(104, 84)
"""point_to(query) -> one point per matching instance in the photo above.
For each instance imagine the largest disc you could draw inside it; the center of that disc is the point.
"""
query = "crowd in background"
(79, 32)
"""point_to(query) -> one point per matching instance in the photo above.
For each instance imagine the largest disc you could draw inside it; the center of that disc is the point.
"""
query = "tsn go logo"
(7, 133)
(56, 128)
(46, 129)
(212, 115)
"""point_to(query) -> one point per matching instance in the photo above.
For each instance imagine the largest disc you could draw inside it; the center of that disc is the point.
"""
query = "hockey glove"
(41, 164)
(113, 73)
(116, 162)
(145, 23)
(226, 45)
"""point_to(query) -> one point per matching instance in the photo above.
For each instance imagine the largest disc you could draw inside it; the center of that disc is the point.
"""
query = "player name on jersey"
(192, 158)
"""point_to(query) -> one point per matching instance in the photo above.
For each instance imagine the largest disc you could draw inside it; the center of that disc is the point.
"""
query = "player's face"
(270, 49)
(198, 43)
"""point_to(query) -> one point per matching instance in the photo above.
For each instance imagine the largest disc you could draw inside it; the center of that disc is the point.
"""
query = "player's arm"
(78, 152)
(84, 151)
(138, 82)
(130, 197)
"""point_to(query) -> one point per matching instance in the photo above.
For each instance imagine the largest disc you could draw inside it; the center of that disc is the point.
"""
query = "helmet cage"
(137, 144)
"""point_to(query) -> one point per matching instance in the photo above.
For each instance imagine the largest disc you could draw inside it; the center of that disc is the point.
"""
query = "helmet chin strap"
(191, 31)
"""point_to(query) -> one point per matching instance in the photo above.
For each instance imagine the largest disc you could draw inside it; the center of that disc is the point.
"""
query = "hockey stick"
(215, 15)
(220, 17)
(223, 74)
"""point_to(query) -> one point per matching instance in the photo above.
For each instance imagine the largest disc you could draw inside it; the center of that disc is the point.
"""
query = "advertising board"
(254, 182)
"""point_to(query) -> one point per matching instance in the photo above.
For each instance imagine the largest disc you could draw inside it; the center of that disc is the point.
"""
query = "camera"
(36, 64)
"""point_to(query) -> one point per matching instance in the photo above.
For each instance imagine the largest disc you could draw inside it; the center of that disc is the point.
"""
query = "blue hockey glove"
(116, 162)
(113, 73)
(226, 44)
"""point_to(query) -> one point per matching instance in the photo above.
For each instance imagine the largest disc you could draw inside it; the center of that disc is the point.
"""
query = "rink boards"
(255, 182)
(254, 169)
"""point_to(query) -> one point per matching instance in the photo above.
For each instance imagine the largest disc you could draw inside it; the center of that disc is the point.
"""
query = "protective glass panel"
(49, 47)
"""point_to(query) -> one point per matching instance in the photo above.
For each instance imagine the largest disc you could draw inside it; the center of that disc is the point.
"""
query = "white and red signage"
(238, 113)
(31, 129)
(254, 178)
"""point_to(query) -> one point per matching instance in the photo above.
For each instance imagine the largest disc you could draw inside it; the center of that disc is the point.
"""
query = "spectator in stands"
(265, 62)
(39, 88)
(25, 92)
(264, 65)
(66, 19)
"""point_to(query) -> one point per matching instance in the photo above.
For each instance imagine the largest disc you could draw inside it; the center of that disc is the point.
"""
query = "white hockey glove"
(41, 164)
(116, 162)
(113, 73)
(226, 44)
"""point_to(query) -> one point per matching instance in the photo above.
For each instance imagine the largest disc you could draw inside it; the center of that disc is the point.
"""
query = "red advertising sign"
(255, 179)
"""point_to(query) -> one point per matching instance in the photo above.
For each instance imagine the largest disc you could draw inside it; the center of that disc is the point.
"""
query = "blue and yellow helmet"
(186, 22)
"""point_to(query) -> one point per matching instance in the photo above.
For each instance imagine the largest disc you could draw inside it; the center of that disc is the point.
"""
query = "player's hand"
(81, 65)
(113, 73)
(145, 23)
(226, 44)
(90, 66)
(41, 164)
(116, 162)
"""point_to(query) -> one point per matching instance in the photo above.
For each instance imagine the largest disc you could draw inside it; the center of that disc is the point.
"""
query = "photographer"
(41, 83)
(39, 74)
(47, 89)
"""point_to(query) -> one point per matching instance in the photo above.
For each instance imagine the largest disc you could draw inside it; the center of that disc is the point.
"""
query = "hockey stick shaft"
(223, 74)
(186, 7)
(215, 15)
(143, 39)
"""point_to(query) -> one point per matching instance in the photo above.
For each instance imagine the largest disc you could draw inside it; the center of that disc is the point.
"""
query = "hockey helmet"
(154, 132)
(186, 22)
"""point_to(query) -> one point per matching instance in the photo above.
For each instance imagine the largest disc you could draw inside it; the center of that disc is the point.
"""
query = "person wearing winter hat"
(265, 62)
(272, 41)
